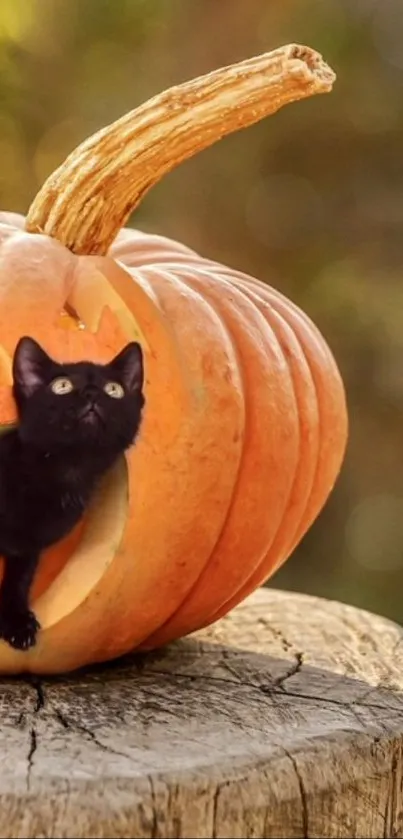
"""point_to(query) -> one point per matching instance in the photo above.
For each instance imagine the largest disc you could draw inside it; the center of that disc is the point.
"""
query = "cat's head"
(77, 405)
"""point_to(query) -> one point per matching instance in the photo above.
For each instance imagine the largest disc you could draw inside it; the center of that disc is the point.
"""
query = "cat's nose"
(90, 393)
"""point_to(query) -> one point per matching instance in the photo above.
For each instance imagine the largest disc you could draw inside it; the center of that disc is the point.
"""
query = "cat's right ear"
(128, 364)
(30, 365)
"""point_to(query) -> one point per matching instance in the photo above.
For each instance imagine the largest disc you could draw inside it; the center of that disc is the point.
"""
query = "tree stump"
(285, 719)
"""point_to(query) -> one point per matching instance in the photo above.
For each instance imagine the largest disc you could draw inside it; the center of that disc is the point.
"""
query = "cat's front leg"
(18, 624)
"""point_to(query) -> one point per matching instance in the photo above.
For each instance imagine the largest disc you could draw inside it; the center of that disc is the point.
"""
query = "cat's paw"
(19, 629)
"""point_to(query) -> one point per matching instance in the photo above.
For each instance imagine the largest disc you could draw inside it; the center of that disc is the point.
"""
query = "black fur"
(51, 463)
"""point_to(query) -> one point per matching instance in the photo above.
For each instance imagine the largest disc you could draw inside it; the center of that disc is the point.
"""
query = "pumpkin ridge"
(301, 468)
(283, 544)
(271, 301)
(228, 274)
(335, 404)
(258, 578)
(281, 305)
(122, 248)
(170, 629)
(178, 280)
(164, 270)
(167, 291)
(303, 525)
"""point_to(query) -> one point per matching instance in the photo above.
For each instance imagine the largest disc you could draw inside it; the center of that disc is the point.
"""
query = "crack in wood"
(33, 744)
(83, 729)
(273, 689)
(302, 792)
(34, 683)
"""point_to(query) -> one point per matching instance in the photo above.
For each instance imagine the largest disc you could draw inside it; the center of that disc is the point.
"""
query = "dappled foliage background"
(310, 200)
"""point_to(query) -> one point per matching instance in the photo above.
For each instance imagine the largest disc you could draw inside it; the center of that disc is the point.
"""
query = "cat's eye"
(61, 386)
(114, 389)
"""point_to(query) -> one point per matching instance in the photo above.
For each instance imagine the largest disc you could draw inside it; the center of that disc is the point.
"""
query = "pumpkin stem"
(86, 201)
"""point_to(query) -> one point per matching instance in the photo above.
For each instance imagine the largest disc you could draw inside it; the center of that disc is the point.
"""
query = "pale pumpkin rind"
(245, 423)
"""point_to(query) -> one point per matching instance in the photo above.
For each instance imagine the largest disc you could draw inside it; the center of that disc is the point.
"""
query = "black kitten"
(74, 422)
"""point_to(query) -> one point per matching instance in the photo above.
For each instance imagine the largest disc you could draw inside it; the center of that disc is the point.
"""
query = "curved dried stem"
(86, 201)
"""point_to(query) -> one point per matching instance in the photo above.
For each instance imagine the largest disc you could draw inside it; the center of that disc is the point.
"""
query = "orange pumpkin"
(245, 423)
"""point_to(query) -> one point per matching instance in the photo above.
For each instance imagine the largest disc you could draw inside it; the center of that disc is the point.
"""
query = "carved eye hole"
(61, 386)
(114, 389)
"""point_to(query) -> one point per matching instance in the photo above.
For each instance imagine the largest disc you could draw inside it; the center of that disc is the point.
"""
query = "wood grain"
(285, 719)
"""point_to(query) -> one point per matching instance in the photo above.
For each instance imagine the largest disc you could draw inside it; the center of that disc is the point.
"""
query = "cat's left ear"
(128, 364)
(30, 366)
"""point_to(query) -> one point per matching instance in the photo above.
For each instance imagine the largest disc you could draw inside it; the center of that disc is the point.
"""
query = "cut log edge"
(283, 719)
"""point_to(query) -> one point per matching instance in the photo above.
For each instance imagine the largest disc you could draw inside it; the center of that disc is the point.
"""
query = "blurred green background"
(310, 200)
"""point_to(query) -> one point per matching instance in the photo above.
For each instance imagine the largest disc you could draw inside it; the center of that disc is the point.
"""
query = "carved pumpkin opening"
(71, 568)
(66, 583)
(69, 319)
(94, 305)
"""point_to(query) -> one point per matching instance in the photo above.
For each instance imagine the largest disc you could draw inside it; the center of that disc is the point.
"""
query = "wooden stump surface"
(285, 719)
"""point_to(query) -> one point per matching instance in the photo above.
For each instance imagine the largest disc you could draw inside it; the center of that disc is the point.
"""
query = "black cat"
(74, 422)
